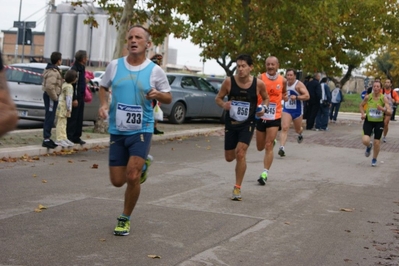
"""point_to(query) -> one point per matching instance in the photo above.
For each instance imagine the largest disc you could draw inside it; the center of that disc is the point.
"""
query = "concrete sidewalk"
(28, 142)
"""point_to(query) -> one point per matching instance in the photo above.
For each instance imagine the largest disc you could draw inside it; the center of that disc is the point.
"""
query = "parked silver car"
(216, 82)
(25, 83)
(192, 97)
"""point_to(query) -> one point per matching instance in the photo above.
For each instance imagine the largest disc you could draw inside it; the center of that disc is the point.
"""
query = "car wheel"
(178, 113)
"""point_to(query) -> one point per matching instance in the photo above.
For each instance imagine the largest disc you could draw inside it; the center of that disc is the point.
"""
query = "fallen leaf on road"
(102, 239)
(348, 231)
(38, 210)
(154, 256)
(347, 260)
(70, 161)
(41, 207)
(94, 166)
(346, 210)
(380, 248)
(44, 181)
(288, 223)
(34, 175)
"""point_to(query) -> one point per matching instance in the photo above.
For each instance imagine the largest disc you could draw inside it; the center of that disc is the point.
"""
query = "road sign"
(18, 24)
(24, 24)
(30, 24)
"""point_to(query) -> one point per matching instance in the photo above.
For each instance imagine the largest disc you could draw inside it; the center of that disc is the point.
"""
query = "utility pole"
(16, 43)
(51, 6)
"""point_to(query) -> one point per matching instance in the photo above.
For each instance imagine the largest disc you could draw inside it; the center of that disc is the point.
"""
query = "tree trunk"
(348, 75)
(123, 27)
(101, 126)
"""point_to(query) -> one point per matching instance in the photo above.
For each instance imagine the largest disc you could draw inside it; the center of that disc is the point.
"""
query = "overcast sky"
(34, 10)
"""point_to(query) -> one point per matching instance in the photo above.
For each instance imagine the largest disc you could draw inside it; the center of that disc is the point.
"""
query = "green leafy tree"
(307, 35)
(385, 64)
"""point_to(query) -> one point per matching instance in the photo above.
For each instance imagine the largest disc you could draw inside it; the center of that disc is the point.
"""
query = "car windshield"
(25, 75)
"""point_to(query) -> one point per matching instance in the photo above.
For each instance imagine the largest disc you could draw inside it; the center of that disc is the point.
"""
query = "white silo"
(53, 27)
(83, 33)
(65, 8)
(84, 9)
(100, 38)
(67, 38)
(111, 42)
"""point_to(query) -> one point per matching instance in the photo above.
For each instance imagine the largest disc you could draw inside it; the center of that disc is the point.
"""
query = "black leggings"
(368, 128)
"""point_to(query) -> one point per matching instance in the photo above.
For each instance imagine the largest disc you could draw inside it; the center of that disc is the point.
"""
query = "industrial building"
(66, 32)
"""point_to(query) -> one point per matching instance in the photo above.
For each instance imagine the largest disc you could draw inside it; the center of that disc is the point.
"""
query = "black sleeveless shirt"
(243, 95)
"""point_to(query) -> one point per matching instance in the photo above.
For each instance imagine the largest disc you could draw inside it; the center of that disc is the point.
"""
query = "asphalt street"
(322, 205)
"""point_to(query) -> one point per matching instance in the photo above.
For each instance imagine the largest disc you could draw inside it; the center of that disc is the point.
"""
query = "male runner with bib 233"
(135, 82)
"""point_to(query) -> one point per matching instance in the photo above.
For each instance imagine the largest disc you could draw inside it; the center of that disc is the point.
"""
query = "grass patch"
(351, 103)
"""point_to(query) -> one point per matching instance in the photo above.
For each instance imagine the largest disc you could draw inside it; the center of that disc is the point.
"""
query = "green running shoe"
(123, 227)
(274, 142)
(236, 194)
(147, 164)
(262, 178)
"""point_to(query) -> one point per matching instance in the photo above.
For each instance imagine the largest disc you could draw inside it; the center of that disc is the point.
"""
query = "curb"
(38, 150)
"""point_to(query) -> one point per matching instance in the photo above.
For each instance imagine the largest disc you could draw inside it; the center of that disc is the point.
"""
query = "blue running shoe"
(374, 162)
(368, 149)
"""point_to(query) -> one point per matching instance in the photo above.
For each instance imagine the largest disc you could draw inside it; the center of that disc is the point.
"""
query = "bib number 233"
(129, 117)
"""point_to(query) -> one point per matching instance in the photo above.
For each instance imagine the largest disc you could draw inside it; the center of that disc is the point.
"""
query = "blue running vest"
(130, 88)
